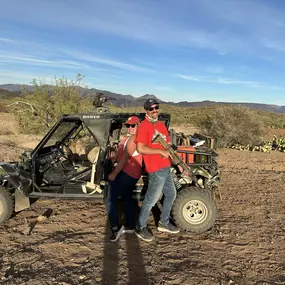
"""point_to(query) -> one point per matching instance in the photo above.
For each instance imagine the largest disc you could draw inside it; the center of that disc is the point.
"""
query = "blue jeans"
(159, 182)
(122, 187)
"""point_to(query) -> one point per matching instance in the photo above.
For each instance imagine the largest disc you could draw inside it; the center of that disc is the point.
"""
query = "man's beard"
(151, 119)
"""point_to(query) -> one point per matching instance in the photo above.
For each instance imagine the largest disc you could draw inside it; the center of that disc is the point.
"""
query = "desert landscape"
(71, 246)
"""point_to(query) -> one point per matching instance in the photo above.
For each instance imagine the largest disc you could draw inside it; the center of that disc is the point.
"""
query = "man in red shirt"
(157, 163)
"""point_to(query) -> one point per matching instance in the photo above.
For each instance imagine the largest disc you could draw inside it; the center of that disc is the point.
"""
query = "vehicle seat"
(92, 156)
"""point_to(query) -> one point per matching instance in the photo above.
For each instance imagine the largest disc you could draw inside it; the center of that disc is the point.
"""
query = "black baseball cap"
(149, 102)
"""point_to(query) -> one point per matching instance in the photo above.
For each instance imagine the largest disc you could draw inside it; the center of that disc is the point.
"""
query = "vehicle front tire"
(6, 205)
(194, 210)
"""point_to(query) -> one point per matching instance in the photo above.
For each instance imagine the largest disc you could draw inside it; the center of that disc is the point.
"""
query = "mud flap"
(21, 201)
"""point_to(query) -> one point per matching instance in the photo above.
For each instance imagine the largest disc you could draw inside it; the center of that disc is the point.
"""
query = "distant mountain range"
(12, 90)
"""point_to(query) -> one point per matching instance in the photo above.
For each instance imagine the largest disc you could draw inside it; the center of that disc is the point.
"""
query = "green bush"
(229, 124)
(272, 119)
(38, 111)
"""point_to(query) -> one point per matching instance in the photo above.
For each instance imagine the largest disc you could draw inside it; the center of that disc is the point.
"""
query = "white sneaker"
(128, 231)
(116, 234)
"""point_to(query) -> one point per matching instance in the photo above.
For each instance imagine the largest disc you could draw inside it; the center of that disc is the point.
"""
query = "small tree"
(229, 125)
(38, 111)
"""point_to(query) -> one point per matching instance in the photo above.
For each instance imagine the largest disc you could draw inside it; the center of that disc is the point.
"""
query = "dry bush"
(8, 124)
(227, 123)
(272, 119)
(3, 107)
(231, 124)
(38, 112)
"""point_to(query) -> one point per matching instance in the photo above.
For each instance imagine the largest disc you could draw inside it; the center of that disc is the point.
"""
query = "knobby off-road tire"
(6, 205)
(194, 210)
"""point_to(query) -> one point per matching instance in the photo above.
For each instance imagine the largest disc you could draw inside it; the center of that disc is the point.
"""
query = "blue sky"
(192, 50)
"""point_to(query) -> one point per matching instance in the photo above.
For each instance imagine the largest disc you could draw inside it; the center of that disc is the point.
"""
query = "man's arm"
(144, 149)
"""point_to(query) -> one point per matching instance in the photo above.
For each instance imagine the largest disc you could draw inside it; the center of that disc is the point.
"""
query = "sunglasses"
(153, 108)
(130, 125)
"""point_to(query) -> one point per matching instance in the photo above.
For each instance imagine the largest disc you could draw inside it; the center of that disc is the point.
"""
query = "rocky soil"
(66, 242)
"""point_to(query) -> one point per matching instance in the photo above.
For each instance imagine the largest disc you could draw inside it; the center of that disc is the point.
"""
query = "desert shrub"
(4, 130)
(3, 107)
(8, 124)
(179, 115)
(272, 119)
(229, 125)
(38, 111)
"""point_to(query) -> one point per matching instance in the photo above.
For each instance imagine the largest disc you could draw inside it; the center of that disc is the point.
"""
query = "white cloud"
(15, 75)
(193, 78)
(278, 45)
(6, 40)
(217, 80)
(23, 78)
(107, 75)
(42, 62)
(233, 81)
(36, 53)
(229, 81)
(105, 61)
(171, 23)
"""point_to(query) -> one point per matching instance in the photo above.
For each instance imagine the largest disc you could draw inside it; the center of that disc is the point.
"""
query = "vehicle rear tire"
(6, 205)
(194, 210)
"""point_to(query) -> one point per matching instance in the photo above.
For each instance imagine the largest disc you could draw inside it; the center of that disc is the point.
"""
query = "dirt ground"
(246, 245)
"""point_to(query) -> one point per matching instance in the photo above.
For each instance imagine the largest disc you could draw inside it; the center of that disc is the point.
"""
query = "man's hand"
(174, 146)
(184, 172)
(112, 176)
(165, 153)
(180, 168)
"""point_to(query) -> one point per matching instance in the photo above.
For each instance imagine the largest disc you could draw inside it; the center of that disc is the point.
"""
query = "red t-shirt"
(147, 131)
(133, 167)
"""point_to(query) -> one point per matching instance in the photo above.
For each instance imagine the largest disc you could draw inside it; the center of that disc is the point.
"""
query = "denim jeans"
(159, 182)
(122, 187)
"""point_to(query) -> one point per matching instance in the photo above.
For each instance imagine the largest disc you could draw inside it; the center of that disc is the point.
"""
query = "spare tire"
(194, 210)
(6, 205)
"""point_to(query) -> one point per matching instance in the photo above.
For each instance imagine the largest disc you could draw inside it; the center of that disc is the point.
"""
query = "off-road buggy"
(74, 158)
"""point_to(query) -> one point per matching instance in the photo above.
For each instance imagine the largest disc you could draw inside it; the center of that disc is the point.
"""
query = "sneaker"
(128, 230)
(145, 234)
(116, 234)
(169, 228)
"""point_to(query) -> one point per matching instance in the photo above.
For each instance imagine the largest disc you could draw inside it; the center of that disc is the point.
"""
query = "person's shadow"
(136, 267)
